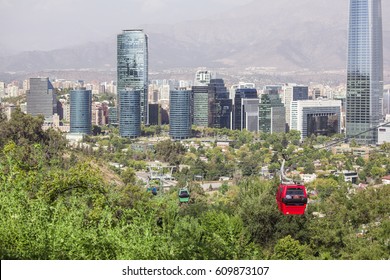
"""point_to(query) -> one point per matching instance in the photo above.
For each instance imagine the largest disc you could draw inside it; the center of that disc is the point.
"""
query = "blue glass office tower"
(220, 106)
(242, 93)
(365, 70)
(130, 110)
(180, 114)
(132, 67)
(81, 111)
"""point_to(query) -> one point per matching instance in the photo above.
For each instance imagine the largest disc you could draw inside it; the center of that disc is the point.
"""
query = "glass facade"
(220, 106)
(267, 115)
(41, 98)
(245, 93)
(130, 113)
(81, 111)
(180, 114)
(113, 116)
(201, 105)
(386, 103)
(250, 114)
(132, 67)
(365, 70)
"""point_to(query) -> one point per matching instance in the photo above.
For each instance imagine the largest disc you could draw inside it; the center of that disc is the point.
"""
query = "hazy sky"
(52, 24)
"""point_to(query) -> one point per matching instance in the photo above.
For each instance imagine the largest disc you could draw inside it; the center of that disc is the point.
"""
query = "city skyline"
(228, 38)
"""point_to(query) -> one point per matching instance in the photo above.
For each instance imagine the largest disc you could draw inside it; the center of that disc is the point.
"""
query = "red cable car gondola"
(291, 197)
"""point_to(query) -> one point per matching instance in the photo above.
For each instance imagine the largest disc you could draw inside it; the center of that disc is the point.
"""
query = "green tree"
(128, 176)
(289, 249)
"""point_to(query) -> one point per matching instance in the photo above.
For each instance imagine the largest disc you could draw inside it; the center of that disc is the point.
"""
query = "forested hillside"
(56, 203)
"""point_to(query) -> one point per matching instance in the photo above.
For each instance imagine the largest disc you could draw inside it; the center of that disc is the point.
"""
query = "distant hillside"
(299, 34)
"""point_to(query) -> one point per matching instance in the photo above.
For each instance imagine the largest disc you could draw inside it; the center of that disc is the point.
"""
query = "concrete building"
(290, 93)
(240, 85)
(203, 77)
(383, 134)
(2, 90)
(319, 117)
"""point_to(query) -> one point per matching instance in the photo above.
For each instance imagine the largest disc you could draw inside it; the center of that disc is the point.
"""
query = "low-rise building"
(386, 180)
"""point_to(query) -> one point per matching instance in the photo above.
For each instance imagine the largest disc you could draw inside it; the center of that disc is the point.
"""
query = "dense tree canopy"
(56, 203)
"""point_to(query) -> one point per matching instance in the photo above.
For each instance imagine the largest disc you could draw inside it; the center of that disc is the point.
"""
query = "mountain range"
(288, 35)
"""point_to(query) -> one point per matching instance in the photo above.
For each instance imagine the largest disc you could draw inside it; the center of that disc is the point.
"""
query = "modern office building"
(278, 120)
(112, 116)
(386, 102)
(203, 77)
(384, 131)
(154, 114)
(130, 113)
(200, 105)
(81, 111)
(164, 93)
(240, 85)
(220, 106)
(2, 89)
(250, 114)
(41, 98)
(272, 113)
(365, 70)
(180, 114)
(293, 92)
(316, 93)
(384, 134)
(242, 93)
(132, 68)
(319, 117)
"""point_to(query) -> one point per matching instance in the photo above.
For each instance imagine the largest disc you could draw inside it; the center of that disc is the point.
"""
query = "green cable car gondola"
(184, 195)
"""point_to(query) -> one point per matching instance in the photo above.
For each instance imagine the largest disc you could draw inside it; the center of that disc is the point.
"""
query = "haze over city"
(287, 35)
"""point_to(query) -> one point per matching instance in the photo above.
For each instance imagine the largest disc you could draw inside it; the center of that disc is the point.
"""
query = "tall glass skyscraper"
(81, 111)
(365, 70)
(200, 105)
(130, 120)
(180, 114)
(220, 106)
(132, 67)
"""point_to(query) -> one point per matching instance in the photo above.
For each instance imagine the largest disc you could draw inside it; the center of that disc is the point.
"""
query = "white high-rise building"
(290, 93)
(203, 77)
(240, 85)
(2, 89)
(320, 117)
